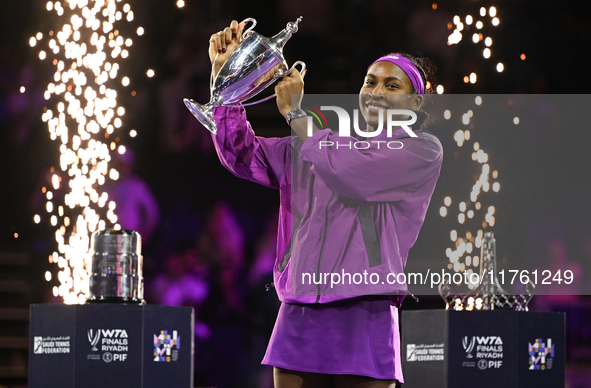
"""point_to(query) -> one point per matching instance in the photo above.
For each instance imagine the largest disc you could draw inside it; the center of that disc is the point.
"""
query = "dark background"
(555, 37)
(543, 169)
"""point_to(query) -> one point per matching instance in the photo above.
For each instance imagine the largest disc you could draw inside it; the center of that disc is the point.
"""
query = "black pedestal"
(499, 348)
(109, 345)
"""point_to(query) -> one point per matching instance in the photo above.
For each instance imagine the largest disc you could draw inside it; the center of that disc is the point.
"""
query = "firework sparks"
(82, 116)
(486, 17)
(463, 257)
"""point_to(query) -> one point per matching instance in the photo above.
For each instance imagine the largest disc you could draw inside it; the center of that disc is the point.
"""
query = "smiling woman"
(353, 212)
(395, 81)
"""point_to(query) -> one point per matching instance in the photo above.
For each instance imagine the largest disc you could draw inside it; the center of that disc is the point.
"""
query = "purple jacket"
(348, 216)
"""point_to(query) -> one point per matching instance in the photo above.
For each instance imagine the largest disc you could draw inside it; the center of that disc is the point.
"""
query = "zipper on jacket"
(281, 266)
(287, 256)
(323, 241)
(370, 236)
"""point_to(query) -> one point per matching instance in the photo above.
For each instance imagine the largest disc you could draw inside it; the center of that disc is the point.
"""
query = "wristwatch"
(294, 114)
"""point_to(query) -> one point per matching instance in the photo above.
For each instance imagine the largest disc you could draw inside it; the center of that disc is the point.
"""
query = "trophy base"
(202, 113)
(115, 300)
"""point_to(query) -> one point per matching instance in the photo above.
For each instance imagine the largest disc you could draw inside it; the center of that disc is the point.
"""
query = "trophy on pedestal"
(489, 293)
(116, 273)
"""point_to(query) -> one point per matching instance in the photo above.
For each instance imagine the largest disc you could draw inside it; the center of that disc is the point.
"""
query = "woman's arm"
(247, 156)
(261, 160)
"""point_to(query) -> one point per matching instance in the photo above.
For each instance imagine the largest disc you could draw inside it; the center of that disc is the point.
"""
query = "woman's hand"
(223, 44)
(292, 84)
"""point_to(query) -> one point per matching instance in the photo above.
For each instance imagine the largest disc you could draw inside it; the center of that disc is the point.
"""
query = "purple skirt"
(358, 336)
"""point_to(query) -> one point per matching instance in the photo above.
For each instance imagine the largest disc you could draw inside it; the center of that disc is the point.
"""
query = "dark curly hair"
(427, 70)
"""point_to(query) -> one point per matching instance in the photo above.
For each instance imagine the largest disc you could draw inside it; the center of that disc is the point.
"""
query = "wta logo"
(468, 346)
(94, 338)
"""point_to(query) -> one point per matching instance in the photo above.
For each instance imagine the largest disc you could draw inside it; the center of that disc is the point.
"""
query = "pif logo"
(108, 357)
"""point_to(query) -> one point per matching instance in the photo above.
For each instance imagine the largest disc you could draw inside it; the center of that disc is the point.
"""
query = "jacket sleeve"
(386, 171)
(261, 160)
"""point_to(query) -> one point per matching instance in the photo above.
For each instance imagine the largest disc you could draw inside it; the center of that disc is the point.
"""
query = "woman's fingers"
(215, 41)
(227, 38)
(223, 43)
(214, 45)
(296, 74)
(234, 29)
(229, 35)
(287, 89)
(295, 81)
(221, 39)
(239, 31)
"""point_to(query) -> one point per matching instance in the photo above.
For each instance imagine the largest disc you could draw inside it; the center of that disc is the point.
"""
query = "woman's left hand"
(292, 84)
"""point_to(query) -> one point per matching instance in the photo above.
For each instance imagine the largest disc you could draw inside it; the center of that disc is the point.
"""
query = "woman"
(354, 212)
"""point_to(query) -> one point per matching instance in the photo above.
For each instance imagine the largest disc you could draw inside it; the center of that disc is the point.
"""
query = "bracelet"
(294, 114)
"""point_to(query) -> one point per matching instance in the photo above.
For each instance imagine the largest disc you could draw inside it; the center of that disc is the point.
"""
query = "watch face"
(295, 113)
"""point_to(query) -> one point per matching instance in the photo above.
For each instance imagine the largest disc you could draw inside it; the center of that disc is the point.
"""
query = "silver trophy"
(253, 66)
(116, 273)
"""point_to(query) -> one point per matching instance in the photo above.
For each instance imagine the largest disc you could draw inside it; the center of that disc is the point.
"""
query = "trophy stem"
(203, 113)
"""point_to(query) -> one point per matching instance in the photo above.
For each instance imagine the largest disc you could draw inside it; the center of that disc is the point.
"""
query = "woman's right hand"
(223, 44)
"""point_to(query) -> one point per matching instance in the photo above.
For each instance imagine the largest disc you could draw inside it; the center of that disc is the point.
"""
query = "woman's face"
(386, 86)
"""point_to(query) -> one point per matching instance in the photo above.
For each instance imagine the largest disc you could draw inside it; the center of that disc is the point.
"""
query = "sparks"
(459, 256)
(87, 46)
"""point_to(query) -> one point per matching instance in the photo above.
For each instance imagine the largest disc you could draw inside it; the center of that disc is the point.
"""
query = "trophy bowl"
(251, 68)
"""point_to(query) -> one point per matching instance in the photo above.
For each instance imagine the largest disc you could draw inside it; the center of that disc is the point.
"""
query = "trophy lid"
(281, 38)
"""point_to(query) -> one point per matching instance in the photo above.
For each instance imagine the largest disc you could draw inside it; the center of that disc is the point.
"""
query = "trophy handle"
(288, 72)
(247, 32)
(278, 74)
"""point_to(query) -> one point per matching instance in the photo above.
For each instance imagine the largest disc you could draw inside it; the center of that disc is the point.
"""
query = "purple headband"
(408, 67)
